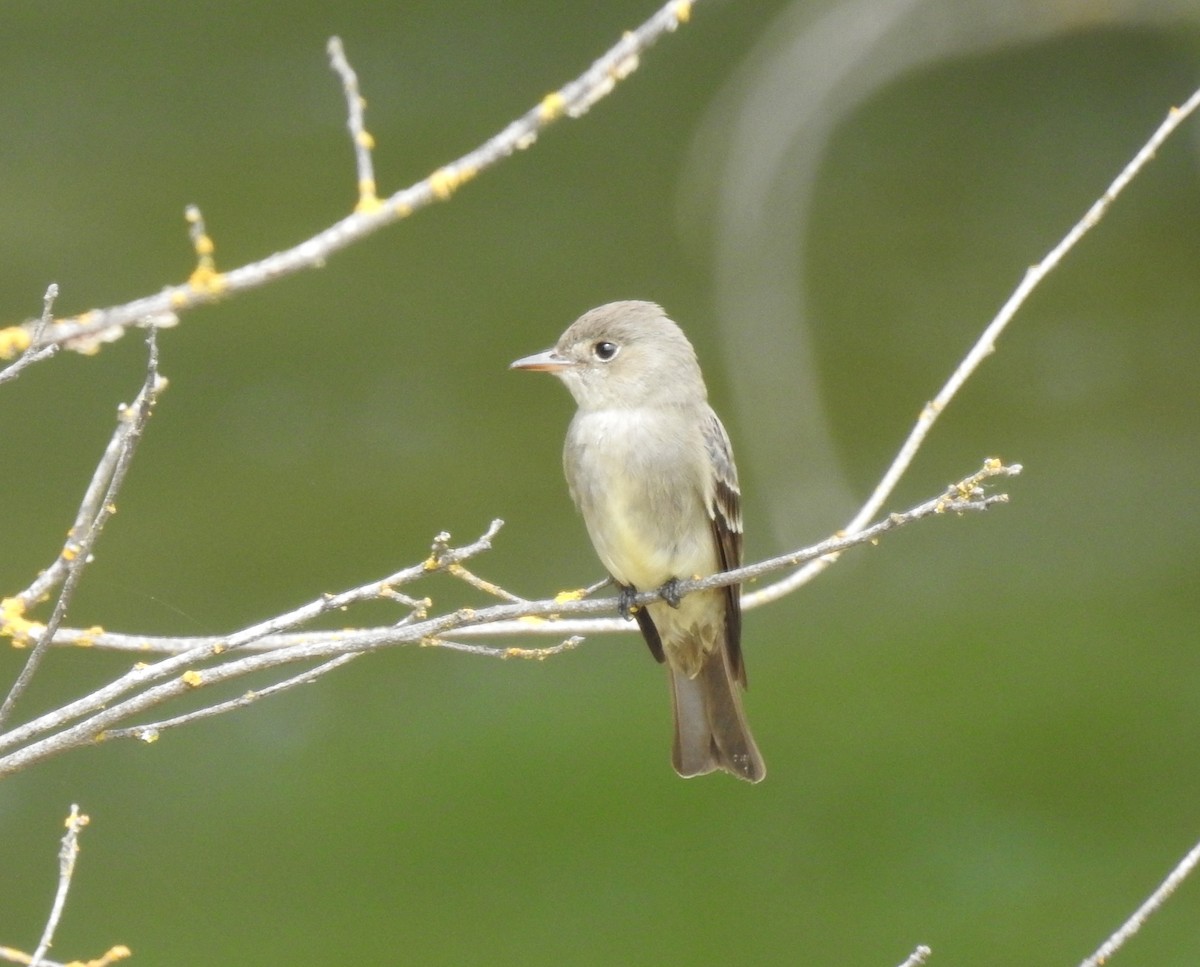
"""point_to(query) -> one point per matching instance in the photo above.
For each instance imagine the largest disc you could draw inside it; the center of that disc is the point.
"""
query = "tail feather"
(710, 726)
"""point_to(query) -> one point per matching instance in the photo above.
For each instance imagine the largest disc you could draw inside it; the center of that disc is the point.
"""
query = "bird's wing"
(725, 512)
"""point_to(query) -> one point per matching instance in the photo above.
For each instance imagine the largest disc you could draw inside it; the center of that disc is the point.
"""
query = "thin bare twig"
(524, 654)
(1143, 913)
(107, 959)
(98, 505)
(918, 958)
(66, 870)
(13, 956)
(151, 731)
(368, 200)
(482, 584)
(33, 352)
(984, 346)
(205, 274)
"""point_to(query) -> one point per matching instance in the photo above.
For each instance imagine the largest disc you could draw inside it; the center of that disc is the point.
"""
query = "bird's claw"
(625, 598)
(669, 592)
(626, 595)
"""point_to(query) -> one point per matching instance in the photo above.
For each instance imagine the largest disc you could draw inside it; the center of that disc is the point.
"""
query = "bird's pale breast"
(641, 494)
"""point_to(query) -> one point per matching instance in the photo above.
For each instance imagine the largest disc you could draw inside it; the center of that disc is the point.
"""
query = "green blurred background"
(981, 735)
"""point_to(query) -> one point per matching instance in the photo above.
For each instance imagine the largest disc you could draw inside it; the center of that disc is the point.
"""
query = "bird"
(650, 468)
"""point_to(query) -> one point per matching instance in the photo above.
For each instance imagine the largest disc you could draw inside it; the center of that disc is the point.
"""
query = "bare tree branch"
(151, 731)
(29, 340)
(66, 870)
(88, 331)
(918, 958)
(361, 138)
(99, 503)
(202, 663)
(1143, 913)
(984, 346)
(67, 855)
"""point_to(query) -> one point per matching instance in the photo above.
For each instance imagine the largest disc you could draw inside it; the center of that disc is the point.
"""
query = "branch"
(361, 138)
(918, 958)
(67, 855)
(1144, 912)
(193, 664)
(99, 503)
(66, 870)
(30, 341)
(984, 346)
(963, 497)
(88, 331)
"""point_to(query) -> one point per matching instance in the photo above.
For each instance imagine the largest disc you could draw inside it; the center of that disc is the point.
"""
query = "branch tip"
(918, 957)
(363, 142)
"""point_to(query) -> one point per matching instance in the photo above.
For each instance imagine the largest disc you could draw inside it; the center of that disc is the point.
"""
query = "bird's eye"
(605, 351)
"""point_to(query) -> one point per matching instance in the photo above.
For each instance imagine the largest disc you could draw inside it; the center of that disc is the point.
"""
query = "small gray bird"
(650, 468)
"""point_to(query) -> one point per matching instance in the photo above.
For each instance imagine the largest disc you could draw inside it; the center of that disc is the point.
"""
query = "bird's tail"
(710, 726)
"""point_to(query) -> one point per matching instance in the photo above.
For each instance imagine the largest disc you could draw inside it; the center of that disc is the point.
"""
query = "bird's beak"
(547, 362)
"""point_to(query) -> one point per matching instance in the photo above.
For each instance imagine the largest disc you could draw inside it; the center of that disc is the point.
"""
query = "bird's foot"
(625, 598)
(669, 592)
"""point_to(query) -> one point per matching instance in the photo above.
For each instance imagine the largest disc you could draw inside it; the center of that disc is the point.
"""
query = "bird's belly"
(631, 551)
(645, 514)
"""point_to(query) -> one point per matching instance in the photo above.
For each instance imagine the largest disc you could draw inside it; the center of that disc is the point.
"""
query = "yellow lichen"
(77, 819)
(192, 679)
(13, 340)
(14, 624)
(207, 279)
(368, 201)
(446, 181)
(11, 609)
(563, 596)
(529, 654)
(552, 106)
(442, 183)
(87, 637)
(111, 956)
